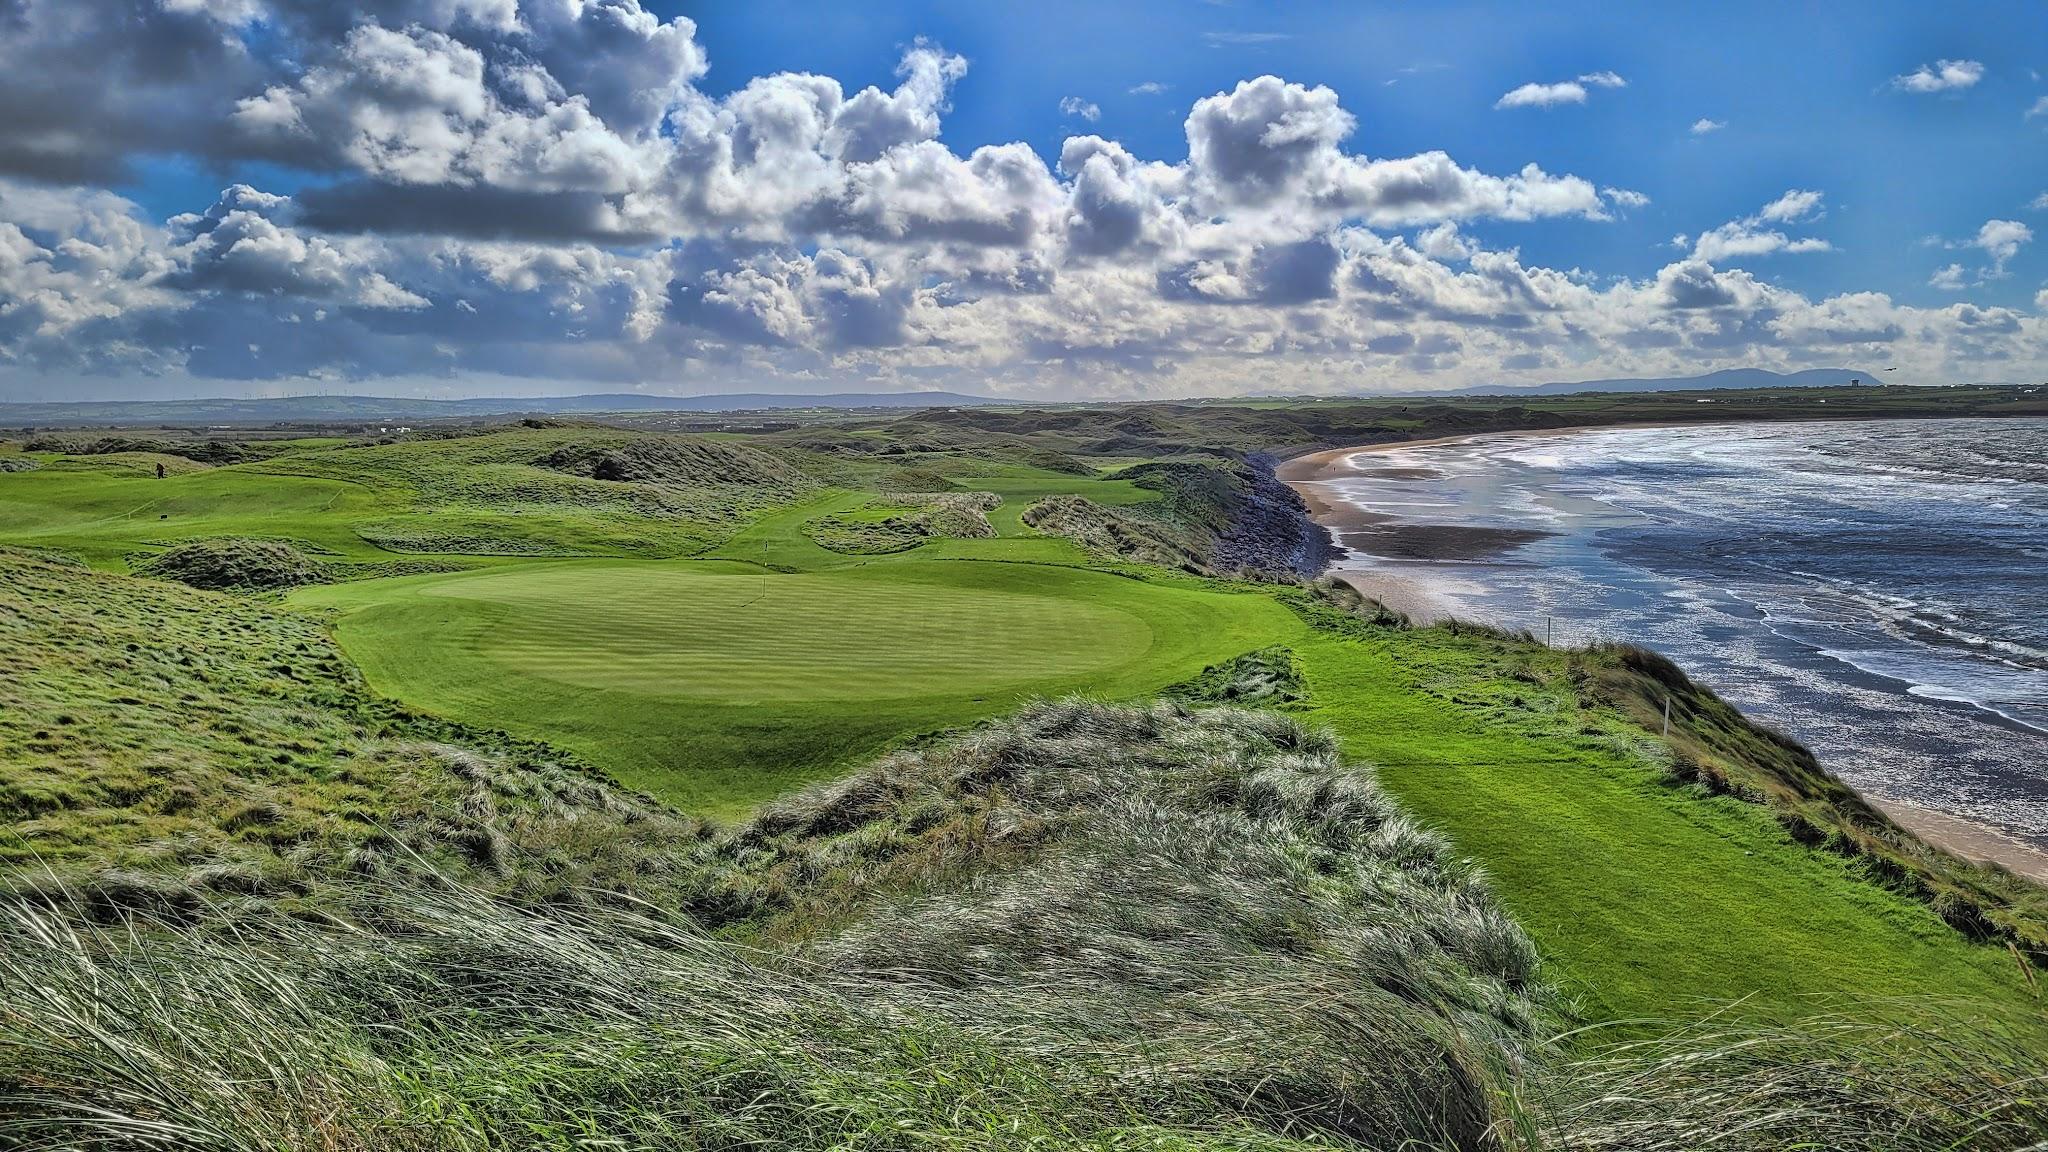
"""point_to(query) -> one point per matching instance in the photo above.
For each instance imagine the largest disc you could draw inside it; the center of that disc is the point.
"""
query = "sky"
(1045, 200)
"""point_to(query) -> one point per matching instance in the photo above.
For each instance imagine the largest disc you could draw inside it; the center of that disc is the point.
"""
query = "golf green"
(765, 637)
(717, 685)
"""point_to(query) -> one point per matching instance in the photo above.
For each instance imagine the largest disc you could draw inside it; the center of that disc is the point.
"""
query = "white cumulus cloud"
(1543, 95)
(1075, 106)
(1796, 204)
(538, 192)
(1751, 235)
(1940, 76)
(1564, 92)
(2001, 240)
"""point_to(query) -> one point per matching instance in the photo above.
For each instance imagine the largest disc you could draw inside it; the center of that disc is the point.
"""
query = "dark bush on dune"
(1267, 678)
(231, 563)
(1118, 533)
(202, 451)
(915, 518)
(651, 459)
(917, 480)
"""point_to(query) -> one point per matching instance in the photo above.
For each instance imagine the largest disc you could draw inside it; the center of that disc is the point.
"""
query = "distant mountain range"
(1726, 378)
(374, 409)
(381, 409)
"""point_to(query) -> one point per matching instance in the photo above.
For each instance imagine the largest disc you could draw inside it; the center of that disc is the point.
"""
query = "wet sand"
(1331, 463)
(1970, 840)
(1413, 596)
(1385, 536)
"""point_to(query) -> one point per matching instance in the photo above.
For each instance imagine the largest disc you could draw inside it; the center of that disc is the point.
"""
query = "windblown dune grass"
(1085, 927)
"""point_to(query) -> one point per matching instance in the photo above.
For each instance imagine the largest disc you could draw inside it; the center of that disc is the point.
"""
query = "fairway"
(716, 685)
(105, 515)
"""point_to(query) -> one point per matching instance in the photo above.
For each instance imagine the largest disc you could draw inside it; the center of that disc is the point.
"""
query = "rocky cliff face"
(1223, 519)
(1270, 529)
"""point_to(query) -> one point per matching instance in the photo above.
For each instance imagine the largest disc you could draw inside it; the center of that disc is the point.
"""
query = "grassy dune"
(511, 493)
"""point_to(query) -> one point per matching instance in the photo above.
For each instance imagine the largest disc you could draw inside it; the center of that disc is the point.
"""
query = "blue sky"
(1803, 89)
(1170, 197)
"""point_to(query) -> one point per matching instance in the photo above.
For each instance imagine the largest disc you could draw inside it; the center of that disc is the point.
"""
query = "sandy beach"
(1970, 840)
(1422, 600)
(1313, 466)
(1360, 530)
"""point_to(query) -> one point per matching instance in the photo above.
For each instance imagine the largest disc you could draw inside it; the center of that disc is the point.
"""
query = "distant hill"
(1726, 378)
(358, 409)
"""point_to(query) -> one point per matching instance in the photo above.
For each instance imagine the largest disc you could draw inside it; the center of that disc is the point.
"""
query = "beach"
(1419, 598)
(1428, 540)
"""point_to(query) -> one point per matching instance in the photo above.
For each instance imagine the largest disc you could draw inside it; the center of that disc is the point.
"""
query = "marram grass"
(1083, 927)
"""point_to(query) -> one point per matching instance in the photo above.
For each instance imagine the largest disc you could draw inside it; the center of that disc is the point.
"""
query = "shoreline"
(1411, 596)
(1968, 839)
(1414, 597)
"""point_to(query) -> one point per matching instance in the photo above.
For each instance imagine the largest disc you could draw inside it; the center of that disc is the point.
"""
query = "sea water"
(1879, 589)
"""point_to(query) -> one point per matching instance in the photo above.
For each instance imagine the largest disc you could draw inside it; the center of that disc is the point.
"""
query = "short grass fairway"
(118, 508)
(717, 685)
(1648, 904)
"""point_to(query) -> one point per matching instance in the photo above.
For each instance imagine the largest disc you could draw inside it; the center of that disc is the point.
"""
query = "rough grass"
(1087, 927)
(226, 563)
(1881, 1078)
(1089, 923)
(1097, 926)
(900, 521)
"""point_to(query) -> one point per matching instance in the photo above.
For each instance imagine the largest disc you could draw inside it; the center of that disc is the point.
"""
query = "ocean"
(1878, 589)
